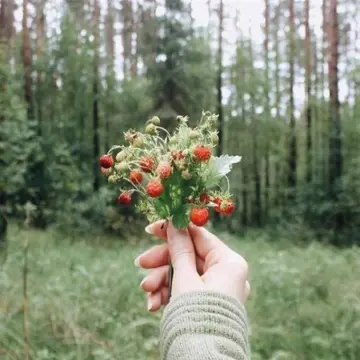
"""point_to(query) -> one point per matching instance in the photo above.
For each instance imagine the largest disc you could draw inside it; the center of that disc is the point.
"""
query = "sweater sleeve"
(204, 326)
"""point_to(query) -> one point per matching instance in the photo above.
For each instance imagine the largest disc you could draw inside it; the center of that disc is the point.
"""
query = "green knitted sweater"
(204, 326)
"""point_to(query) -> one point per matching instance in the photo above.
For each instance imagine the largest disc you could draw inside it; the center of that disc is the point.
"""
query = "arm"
(204, 325)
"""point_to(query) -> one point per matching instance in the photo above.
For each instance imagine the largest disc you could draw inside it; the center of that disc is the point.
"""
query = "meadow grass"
(85, 301)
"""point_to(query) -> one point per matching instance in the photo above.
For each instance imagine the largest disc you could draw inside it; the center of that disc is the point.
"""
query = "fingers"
(205, 241)
(154, 257)
(156, 279)
(158, 229)
(181, 249)
(158, 298)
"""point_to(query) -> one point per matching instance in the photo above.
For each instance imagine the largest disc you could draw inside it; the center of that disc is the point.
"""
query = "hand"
(200, 260)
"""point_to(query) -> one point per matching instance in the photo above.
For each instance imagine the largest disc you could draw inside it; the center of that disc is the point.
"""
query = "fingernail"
(149, 304)
(142, 282)
(137, 261)
(149, 229)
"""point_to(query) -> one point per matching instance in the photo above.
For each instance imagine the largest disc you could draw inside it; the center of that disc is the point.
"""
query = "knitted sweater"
(204, 326)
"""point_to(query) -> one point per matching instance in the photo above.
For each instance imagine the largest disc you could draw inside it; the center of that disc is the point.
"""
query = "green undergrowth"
(85, 301)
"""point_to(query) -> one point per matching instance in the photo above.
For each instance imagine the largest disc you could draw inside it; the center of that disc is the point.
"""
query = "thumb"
(183, 259)
(181, 248)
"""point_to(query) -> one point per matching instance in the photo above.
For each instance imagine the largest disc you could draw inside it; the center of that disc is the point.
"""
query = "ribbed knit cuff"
(206, 313)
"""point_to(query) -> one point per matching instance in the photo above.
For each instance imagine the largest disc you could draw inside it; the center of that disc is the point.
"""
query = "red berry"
(227, 207)
(154, 188)
(164, 169)
(106, 161)
(146, 164)
(136, 176)
(204, 198)
(124, 198)
(199, 216)
(202, 153)
(177, 155)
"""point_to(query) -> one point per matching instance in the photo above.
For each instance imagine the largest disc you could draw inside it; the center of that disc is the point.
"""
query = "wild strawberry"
(164, 169)
(202, 153)
(146, 164)
(227, 207)
(124, 198)
(199, 216)
(106, 172)
(106, 161)
(136, 176)
(177, 155)
(154, 188)
(204, 198)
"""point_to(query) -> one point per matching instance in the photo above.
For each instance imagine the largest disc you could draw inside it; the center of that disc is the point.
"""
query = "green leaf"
(162, 210)
(180, 218)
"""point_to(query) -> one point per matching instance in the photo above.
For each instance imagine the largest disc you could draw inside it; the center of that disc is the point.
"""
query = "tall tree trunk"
(292, 132)
(128, 23)
(110, 70)
(267, 110)
(219, 83)
(257, 208)
(26, 54)
(40, 41)
(219, 77)
(324, 122)
(335, 156)
(96, 122)
(308, 94)
(278, 177)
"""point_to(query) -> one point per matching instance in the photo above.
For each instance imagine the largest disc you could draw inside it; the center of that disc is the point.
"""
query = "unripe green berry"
(150, 129)
(172, 140)
(138, 142)
(112, 179)
(214, 138)
(120, 156)
(193, 134)
(155, 120)
(122, 167)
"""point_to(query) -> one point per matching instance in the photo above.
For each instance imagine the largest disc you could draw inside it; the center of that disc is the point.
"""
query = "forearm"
(204, 326)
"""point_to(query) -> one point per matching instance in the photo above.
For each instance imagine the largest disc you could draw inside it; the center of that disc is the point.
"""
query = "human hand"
(200, 260)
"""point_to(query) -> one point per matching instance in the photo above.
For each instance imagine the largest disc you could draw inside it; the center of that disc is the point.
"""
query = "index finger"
(158, 229)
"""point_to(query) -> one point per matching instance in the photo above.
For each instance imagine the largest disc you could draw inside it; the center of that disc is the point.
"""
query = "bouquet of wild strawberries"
(177, 176)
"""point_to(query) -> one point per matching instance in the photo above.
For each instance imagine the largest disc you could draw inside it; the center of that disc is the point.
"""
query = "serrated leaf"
(180, 218)
(161, 209)
(224, 163)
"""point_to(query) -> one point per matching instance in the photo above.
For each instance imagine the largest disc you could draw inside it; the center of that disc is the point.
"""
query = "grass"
(85, 302)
